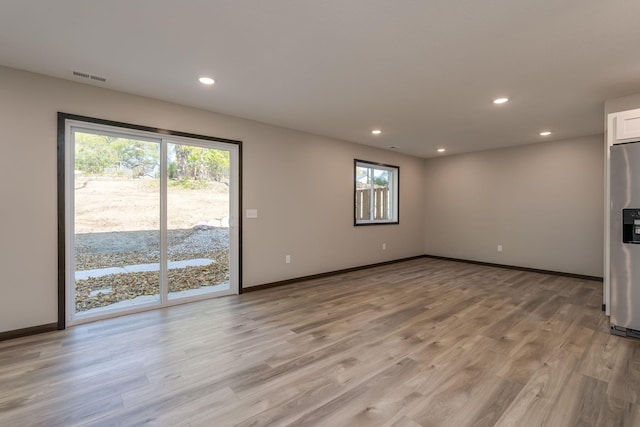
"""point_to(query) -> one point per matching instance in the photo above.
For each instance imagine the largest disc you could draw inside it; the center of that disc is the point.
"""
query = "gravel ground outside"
(103, 250)
(116, 221)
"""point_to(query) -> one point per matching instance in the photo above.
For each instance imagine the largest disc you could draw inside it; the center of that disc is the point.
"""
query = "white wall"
(630, 102)
(542, 202)
(300, 183)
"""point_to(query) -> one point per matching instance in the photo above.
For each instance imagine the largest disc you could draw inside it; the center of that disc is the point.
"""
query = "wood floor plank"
(580, 403)
(421, 343)
(527, 358)
(599, 356)
(528, 408)
(618, 413)
(625, 380)
(493, 400)
(356, 403)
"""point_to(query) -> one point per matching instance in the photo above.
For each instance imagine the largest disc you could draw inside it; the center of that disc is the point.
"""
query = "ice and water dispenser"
(631, 226)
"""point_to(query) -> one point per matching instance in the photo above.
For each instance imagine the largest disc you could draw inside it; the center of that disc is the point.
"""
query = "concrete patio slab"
(141, 268)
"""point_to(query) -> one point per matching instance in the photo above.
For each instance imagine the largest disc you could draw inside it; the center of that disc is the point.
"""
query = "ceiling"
(425, 72)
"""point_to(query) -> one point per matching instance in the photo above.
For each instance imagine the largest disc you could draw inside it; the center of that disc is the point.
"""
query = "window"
(148, 218)
(376, 193)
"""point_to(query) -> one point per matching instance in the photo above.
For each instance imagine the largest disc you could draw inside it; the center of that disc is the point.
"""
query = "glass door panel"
(197, 220)
(149, 220)
(116, 220)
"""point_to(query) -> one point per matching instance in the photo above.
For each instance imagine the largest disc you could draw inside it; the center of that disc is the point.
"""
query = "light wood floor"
(420, 343)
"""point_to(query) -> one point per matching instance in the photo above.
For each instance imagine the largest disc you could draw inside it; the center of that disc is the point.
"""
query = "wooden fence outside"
(380, 203)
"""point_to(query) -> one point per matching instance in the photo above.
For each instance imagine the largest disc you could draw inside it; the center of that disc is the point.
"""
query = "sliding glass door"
(116, 222)
(149, 220)
(197, 220)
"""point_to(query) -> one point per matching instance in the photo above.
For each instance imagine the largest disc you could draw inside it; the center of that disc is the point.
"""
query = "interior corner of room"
(537, 206)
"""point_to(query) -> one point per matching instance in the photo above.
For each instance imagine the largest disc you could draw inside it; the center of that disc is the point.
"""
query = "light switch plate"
(252, 213)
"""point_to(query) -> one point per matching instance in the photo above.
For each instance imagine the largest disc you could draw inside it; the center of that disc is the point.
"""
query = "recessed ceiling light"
(500, 100)
(441, 150)
(376, 131)
(206, 80)
(545, 133)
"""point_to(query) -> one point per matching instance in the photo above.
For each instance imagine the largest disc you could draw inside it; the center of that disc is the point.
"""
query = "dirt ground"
(105, 204)
(117, 223)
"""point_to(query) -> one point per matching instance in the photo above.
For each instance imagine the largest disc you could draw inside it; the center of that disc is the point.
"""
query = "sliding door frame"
(63, 197)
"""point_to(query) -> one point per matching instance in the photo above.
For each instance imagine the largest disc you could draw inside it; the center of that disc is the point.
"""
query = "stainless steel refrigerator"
(625, 239)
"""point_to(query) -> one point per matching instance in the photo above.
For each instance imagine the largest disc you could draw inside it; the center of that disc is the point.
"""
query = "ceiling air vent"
(89, 76)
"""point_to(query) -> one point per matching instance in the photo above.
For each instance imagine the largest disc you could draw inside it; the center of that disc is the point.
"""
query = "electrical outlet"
(287, 259)
(499, 248)
(384, 246)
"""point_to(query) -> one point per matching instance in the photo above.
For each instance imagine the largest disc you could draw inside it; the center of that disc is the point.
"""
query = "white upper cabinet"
(627, 126)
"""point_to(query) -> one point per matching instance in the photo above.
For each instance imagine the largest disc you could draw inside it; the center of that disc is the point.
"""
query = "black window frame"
(394, 198)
